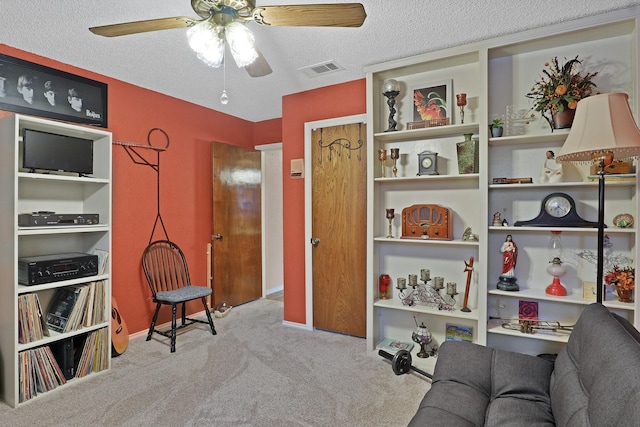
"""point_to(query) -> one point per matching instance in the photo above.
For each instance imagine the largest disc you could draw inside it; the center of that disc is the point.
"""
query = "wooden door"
(339, 197)
(236, 230)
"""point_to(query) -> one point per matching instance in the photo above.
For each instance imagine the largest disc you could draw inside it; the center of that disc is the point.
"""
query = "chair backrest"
(165, 266)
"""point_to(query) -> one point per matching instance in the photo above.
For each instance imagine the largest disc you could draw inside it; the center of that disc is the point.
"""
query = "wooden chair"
(167, 272)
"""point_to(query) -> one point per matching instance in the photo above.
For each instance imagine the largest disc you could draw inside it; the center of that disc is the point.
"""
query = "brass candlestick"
(390, 215)
(382, 156)
(395, 155)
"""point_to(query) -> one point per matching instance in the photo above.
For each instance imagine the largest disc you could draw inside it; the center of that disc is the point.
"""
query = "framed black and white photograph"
(29, 88)
(432, 101)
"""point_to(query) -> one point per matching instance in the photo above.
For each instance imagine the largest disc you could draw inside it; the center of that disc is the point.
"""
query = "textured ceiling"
(162, 61)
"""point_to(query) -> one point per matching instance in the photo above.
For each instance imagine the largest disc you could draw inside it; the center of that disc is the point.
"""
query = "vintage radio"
(427, 222)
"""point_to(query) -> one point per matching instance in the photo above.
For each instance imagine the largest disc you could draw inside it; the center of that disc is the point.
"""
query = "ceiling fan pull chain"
(224, 98)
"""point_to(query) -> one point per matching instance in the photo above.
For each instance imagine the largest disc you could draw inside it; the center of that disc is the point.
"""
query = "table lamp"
(603, 128)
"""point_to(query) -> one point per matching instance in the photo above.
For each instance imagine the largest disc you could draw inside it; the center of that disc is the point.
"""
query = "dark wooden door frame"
(308, 186)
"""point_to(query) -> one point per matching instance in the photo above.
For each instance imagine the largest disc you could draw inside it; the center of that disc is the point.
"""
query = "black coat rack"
(131, 149)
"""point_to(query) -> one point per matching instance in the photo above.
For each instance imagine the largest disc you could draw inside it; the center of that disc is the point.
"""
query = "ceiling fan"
(225, 20)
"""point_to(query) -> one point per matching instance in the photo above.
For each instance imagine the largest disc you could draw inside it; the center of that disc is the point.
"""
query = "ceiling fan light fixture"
(212, 58)
(206, 40)
(241, 43)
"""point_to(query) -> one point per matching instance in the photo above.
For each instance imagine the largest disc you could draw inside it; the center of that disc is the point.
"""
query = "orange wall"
(185, 180)
(267, 132)
(325, 103)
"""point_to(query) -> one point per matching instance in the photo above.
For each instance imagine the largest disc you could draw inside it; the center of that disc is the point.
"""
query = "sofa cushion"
(596, 381)
(520, 390)
(475, 385)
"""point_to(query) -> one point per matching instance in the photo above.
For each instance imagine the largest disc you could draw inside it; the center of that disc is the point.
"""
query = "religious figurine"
(469, 236)
(497, 219)
(551, 170)
(509, 259)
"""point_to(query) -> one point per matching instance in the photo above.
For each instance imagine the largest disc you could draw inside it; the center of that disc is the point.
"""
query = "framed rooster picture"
(432, 101)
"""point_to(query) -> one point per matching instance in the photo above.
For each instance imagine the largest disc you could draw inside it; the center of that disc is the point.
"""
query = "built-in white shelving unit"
(496, 75)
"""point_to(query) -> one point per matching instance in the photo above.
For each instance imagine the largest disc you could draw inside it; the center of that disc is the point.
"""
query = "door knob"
(217, 236)
(315, 241)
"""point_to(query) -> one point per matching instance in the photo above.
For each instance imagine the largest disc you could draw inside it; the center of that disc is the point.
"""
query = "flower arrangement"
(623, 278)
(560, 87)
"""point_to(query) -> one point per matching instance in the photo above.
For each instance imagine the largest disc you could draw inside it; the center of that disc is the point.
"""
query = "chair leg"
(206, 310)
(184, 313)
(173, 328)
(153, 321)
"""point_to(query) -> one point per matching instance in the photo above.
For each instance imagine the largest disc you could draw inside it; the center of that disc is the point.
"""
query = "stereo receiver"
(36, 270)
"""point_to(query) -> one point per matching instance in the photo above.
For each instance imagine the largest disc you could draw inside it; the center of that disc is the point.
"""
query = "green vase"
(468, 152)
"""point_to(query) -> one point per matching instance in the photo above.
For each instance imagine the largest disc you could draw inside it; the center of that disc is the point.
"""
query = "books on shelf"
(103, 257)
(44, 368)
(95, 353)
(32, 325)
(74, 307)
(392, 346)
(39, 372)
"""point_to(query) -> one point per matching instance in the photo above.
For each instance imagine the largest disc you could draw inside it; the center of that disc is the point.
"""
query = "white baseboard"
(275, 290)
(297, 325)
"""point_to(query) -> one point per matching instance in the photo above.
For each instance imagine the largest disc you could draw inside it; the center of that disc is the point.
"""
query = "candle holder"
(451, 289)
(401, 284)
(425, 275)
(390, 215)
(395, 155)
(438, 283)
(413, 280)
(461, 101)
(391, 89)
(382, 156)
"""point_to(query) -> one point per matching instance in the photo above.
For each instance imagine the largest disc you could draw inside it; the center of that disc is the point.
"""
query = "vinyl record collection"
(71, 308)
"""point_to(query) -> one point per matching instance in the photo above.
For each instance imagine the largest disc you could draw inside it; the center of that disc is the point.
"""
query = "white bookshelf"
(24, 191)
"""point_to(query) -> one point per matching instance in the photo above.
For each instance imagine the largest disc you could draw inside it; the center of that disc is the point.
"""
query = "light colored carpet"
(255, 372)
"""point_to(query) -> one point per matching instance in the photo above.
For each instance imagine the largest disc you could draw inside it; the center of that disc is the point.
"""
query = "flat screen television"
(48, 151)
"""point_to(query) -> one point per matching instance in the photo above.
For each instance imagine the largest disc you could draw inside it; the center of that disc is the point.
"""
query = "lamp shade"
(603, 123)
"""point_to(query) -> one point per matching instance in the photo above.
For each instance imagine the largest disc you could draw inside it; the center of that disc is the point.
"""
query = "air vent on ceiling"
(321, 69)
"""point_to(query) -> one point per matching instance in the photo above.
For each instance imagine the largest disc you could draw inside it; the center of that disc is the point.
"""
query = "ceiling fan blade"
(143, 26)
(312, 15)
(260, 67)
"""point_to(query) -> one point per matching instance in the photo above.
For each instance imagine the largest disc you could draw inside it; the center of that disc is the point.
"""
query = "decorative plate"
(623, 220)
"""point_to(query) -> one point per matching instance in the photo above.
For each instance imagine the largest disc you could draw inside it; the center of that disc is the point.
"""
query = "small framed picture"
(458, 333)
(589, 291)
(528, 310)
(432, 101)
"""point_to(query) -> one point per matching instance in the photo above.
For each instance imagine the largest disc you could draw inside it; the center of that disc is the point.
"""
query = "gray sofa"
(595, 381)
